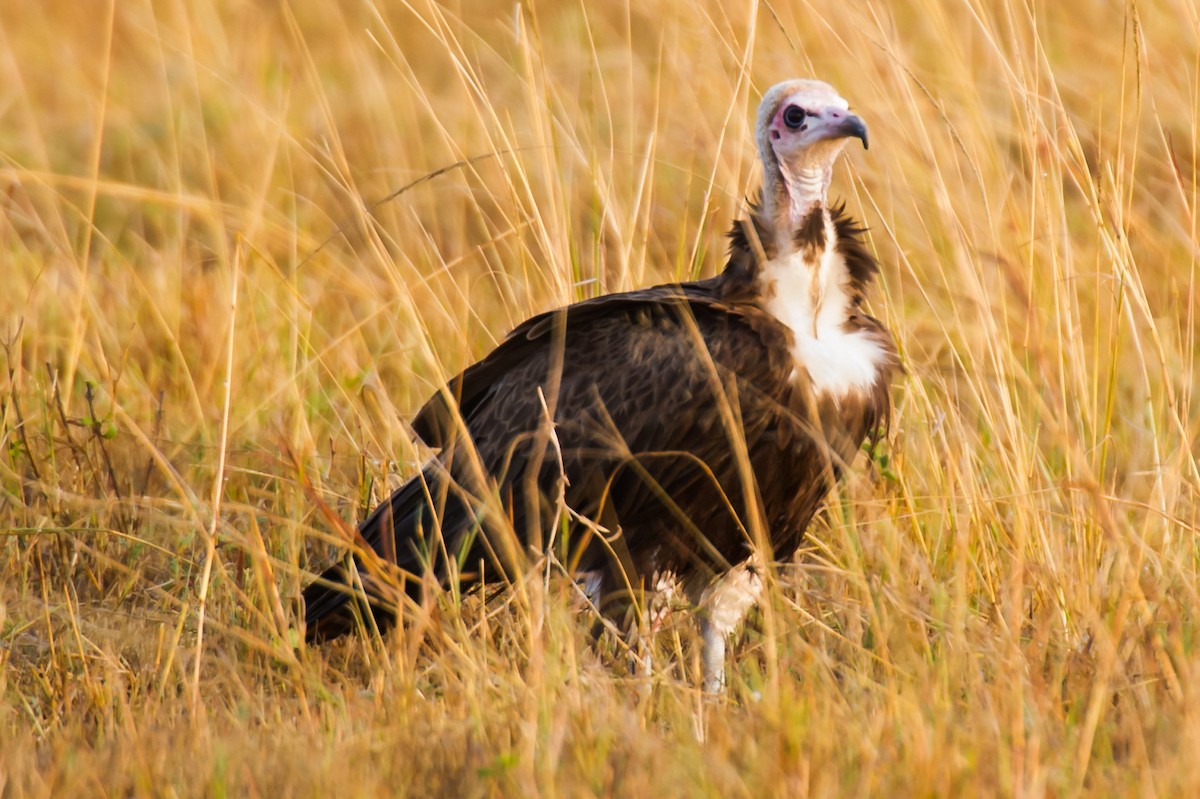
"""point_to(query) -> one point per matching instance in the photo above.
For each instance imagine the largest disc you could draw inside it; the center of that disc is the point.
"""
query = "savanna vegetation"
(241, 241)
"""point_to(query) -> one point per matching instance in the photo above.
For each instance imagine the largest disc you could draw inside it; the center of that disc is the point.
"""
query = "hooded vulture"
(689, 429)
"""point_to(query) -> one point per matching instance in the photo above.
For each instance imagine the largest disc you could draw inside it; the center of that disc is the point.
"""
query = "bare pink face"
(807, 120)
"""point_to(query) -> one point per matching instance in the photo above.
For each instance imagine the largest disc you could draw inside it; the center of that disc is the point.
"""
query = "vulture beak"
(837, 124)
(851, 125)
(834, 123)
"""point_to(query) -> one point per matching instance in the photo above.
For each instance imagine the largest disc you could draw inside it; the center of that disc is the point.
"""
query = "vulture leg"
(723, 604)
(660, 599)
(713, 655)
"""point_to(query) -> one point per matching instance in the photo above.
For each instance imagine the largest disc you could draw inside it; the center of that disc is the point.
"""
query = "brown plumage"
(654, 393)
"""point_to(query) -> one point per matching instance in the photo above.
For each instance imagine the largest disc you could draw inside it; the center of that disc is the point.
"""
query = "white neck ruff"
(813, 300)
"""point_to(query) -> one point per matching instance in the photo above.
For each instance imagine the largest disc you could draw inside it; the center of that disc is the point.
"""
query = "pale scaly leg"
(722, 606)
(712, 653)
(661, 598)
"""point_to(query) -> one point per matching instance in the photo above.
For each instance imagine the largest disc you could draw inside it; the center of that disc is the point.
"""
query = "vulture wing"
(639, 386)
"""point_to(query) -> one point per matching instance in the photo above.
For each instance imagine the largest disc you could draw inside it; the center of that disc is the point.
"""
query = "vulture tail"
(402, 530)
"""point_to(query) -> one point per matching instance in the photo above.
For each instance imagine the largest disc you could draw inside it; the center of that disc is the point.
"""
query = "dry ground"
(211, 333)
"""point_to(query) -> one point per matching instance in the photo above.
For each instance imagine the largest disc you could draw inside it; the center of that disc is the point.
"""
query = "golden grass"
(210, 330)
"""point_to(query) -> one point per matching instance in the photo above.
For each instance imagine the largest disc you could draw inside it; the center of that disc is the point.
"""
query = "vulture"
(686, 432)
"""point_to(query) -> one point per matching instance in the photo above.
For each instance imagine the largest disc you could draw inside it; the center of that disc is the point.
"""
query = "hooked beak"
(851, 125)
(834, 123)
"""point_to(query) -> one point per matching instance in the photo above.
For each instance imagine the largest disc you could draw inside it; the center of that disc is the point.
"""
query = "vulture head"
(802, 127)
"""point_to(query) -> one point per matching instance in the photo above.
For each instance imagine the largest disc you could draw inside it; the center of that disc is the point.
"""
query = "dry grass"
(1006, 605)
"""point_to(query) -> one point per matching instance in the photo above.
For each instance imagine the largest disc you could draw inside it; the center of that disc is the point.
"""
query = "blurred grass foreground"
(212, 331)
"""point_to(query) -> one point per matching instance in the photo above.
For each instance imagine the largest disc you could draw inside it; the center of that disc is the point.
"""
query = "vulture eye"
(793, 116)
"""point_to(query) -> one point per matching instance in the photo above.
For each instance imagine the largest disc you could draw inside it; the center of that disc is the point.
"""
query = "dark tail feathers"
(398, 531)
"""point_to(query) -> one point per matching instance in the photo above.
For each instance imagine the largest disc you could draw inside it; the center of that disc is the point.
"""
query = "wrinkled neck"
(791, 192)
(807, 189)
